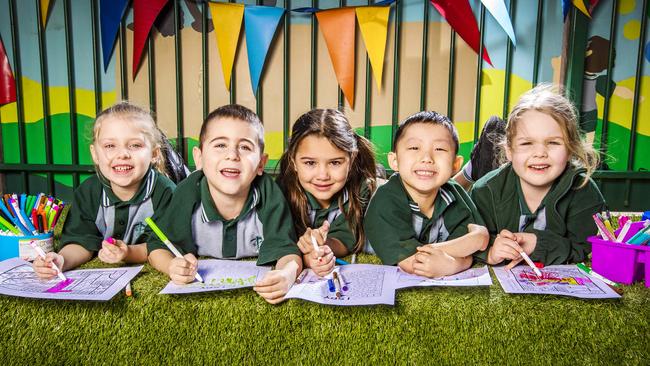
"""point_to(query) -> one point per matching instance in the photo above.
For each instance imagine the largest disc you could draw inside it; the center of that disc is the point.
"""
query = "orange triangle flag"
(227, 19)
(373, 22)
(338, 26)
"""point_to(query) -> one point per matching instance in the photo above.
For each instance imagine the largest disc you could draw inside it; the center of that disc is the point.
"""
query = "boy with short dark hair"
(420, 219)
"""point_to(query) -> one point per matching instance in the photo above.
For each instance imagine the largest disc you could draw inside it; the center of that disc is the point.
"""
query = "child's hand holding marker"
(276, 283)
(317, 256)
(113, 251)
(183, 270)
(48, 266)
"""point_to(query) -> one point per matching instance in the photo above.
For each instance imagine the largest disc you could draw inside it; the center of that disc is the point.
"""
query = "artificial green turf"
(427, 325)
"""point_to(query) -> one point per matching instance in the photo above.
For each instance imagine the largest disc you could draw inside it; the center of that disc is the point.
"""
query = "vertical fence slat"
(47, 126)
(285, 82)
(259, 99)
(396, 70)
(205, 90)
(96, 63)
(18, 75)
(151, 70)
(452, 75)
(180, 142)
(506, 86)
(124, 82)
(367, 108)
(479, 73)
(425, 56)
(72, 100)
(538, 41)
(610, 63)
(341, 99)
(637, 87)
(314, 57)
(233, 78)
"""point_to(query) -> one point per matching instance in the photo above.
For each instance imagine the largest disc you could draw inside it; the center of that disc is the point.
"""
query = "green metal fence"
(624, 190)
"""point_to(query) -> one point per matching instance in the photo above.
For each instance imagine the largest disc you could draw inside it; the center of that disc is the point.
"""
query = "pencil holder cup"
(619, 262)
(18, 246)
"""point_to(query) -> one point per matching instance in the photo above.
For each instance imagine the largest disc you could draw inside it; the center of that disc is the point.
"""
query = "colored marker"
(9, 226)
(315, 244)
(604, 232)
(337, 284)
(344, 283)
(330, 285)
(530, 263)
(341, 262)
(624, 231)
(591, 273)
(41, 254)
(168, 243)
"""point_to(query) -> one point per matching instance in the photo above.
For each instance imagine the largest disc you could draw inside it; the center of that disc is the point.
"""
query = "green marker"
(591, 272)
(9, 226)
(168, 243)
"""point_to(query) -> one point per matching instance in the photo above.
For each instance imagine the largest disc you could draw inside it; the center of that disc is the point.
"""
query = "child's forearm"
(291, 263)
(137, 253)
(160, 259)
(465, 245)
(74, 255)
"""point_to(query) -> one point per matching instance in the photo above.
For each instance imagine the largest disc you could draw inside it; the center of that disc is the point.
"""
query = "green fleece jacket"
(562, 223)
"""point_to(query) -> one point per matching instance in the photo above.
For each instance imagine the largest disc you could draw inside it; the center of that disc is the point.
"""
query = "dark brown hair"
(334, 126)
(234, 111)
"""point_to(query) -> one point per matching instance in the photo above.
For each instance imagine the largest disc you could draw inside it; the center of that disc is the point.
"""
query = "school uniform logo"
(256, 242)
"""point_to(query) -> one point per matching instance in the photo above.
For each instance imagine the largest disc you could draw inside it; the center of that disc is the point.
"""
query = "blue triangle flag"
(110, 13)
(260, 23)
(566, 5)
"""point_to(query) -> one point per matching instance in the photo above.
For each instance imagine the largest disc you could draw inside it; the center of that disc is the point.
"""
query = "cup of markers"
(24, 219)
(622, 255)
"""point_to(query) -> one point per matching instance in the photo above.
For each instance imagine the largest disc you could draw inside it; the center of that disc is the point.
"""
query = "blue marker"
(330, 284)
(340, 262)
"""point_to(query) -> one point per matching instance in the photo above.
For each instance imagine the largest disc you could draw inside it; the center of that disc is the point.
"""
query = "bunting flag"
(227, 19)
(498, 10)
(580, 5)
(373, 22)
(260, 25)
(592, 5)
(338, 27)
(7, 81)
(45, 11)
(459, 15)
(566, 5)
(111, 13)
(145, 13)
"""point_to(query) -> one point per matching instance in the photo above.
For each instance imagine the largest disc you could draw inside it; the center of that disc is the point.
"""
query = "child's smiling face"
(321, 167)
(538, 151)
(425, 158)
(123, 154)
(230, 157)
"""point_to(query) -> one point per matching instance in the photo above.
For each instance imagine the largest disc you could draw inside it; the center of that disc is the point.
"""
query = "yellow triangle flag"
(227, 19)
(373, 22)
(580, 4)
(45, 9)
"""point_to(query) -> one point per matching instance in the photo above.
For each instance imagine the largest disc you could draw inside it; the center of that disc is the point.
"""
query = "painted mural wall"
(464, 79)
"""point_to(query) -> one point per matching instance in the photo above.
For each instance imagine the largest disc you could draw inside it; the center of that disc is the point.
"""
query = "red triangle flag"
(7, 81)
(145, 13)
(459, 15)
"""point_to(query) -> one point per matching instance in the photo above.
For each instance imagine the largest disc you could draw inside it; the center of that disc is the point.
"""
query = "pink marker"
(110, 240)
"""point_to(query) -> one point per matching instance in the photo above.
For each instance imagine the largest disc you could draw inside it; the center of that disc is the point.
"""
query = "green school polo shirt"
(339, 225)
(562, 223)
(97, 213)
(395, 226)
(263, 229)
